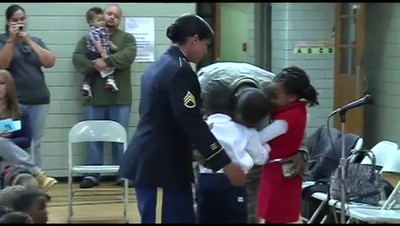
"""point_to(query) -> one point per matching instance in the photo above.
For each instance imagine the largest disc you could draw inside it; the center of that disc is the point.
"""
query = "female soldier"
(170, 124)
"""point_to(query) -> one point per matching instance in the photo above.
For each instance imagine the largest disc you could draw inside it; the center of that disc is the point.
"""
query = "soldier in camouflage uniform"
(231, 74)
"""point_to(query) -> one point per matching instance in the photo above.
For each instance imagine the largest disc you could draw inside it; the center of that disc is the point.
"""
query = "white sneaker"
(86, 91)
(111, 85)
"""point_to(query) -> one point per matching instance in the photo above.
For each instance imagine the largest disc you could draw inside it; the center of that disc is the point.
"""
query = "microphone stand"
(342, 165)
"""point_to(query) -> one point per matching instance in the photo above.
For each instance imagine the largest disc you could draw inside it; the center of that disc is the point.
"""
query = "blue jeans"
(117, 113)
(37, 117)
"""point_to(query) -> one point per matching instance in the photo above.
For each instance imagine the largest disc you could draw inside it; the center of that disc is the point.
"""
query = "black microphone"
(366, 100)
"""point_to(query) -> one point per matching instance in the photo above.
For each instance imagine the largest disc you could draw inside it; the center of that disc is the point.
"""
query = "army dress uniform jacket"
(170, 125)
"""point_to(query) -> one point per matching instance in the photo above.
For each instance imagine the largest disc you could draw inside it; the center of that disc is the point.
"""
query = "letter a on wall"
(314, 48)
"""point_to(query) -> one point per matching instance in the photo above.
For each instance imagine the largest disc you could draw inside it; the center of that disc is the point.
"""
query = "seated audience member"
(27, 199)
(14, 174)
(16, 218)
(13, 145)
(9, 194)
(5, 210)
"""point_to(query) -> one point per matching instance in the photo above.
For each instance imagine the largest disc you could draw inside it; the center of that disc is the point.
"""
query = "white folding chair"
(382, 151)
(91, 131)
(391, 173)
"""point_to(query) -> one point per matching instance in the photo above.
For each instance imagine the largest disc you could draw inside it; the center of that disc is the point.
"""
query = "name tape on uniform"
(314, 50)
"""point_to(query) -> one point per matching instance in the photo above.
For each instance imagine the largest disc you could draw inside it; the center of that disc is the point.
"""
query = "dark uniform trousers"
(218, 201)
(177, 205)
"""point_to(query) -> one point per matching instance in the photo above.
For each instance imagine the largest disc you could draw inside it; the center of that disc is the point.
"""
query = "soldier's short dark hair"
(253, 105)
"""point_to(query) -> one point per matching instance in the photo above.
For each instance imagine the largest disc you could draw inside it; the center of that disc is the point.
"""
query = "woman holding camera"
(24, 56)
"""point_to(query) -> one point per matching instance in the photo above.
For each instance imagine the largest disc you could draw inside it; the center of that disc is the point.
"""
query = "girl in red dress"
(280, 197)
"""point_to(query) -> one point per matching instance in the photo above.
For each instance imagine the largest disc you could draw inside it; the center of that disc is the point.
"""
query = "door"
(234, 23)
(211, 12)
(350, 80)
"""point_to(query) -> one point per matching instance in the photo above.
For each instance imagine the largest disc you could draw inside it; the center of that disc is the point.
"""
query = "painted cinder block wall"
(382, 63)
(293, 22)
(296, 22)
(61, 25)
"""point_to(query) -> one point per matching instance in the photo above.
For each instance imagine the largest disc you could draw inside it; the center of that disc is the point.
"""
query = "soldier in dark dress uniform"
(171, 125)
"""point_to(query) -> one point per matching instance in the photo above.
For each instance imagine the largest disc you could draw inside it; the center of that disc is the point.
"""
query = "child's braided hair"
(295, 80)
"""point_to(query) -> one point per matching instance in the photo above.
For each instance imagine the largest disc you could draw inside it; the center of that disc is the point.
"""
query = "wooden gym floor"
(95, 208)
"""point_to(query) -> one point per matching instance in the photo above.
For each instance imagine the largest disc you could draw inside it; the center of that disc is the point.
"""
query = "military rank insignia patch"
(189, 100)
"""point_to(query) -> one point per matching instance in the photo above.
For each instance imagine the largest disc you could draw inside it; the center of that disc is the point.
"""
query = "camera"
(21, 27)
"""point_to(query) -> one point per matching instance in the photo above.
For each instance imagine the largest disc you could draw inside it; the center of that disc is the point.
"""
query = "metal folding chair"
(91, 131)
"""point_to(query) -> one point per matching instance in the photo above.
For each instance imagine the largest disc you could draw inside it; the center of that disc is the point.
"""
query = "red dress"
(279, 198)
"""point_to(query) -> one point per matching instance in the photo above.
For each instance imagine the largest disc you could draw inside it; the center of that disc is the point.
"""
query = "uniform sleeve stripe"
(216, 153)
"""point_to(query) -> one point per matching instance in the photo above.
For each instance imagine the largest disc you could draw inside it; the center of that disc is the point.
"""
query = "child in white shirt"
(217, 200)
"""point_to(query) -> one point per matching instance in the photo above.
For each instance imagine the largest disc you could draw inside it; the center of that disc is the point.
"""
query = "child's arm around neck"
(273, 130)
